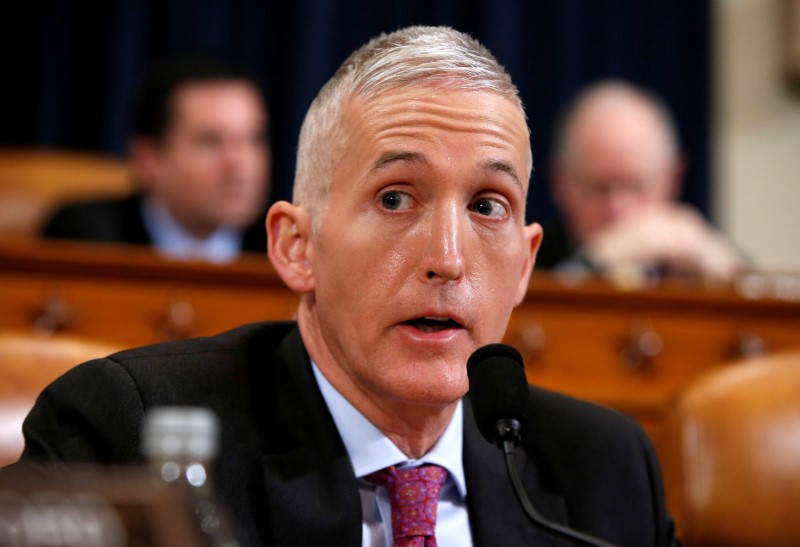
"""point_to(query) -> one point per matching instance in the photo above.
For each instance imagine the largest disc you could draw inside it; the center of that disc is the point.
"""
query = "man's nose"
(443, 258)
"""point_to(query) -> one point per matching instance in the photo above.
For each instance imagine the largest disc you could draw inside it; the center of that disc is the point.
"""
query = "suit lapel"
(496, 516)
(310, 491)
(312, 500)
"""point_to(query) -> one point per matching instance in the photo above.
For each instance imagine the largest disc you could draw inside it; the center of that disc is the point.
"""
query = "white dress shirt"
(370, 450)
(171, 239)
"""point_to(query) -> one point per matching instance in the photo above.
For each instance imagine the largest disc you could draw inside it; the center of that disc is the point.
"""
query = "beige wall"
(756, 134)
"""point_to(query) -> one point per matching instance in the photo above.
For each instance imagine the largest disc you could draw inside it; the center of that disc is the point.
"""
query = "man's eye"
(488, 207)
(395, 201)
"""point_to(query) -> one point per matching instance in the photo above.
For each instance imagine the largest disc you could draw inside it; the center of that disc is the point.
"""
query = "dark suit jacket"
(120, 221)
(557, 245)
(284, 471)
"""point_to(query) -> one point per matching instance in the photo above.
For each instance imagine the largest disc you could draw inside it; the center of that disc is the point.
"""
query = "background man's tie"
(413, 495)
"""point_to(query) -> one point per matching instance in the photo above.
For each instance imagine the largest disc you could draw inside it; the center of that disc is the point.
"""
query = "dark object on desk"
(93, 507)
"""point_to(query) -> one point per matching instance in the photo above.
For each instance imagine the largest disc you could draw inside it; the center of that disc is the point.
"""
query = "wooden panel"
(132, 296)
(583, 338)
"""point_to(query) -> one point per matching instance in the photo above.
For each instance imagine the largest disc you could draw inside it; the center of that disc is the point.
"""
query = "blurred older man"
(616, 176)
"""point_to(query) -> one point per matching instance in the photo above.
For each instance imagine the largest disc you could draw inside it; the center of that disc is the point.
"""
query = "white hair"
(414, 56)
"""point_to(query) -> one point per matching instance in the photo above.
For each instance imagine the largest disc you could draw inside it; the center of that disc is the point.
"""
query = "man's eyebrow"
(416, 157)
(394, 157)
(503, 167)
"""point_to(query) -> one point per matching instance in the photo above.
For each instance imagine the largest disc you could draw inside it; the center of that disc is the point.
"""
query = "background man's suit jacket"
(283, 469)
(557, 245)
(120, 221)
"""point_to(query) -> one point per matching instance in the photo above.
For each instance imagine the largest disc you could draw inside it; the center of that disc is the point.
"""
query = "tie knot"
(413, 496)
(392, 477)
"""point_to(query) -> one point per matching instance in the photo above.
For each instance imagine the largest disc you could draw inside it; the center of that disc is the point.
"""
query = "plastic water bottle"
(181, 443)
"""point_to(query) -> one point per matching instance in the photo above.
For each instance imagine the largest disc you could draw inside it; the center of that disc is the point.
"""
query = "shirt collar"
(172, 239)
(370, 450)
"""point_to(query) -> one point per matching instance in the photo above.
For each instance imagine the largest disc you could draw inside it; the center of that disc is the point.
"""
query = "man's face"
(422, 252)
(211, 170)
(617, 165)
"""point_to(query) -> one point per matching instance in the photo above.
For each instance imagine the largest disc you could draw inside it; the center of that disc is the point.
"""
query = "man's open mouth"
(433, 324)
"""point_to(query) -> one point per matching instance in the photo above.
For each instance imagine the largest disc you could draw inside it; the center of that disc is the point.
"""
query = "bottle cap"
(180, 432)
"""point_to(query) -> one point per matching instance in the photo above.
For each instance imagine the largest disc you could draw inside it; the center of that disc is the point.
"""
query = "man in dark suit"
(406, 241)
(199, 153)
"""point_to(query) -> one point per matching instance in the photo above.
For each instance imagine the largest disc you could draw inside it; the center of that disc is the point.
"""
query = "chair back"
(33, 182)
(731, 451)
(28, 363)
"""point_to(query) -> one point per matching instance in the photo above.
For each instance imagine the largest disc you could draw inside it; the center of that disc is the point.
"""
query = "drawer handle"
(530, 340)
(748, 345)
(57, 315)
(179, 320)
(642, 346)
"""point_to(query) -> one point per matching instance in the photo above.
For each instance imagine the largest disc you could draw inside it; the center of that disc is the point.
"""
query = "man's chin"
(434, 394)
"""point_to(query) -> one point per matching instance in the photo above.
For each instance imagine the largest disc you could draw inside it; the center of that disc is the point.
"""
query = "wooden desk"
(634, 350)
(131, 296)
(631, 350)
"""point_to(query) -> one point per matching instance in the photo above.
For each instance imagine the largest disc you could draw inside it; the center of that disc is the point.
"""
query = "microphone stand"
(509, 434)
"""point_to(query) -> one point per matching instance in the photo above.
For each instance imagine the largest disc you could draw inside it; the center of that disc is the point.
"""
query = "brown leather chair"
(731, 455)
(33, 181)
(28, 363)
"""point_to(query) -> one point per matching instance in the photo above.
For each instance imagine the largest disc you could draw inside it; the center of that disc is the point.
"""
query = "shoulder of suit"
(568, 416)
(240, 339)
(99, 205)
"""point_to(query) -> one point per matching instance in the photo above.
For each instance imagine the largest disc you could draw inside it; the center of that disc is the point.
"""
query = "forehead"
(480, 122)
(215, 98)
(630, 132)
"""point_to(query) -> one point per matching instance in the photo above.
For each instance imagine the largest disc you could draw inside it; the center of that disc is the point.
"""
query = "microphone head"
(498, 389)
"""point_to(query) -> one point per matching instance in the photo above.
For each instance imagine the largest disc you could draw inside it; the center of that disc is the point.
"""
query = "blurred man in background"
(199, 154)
(616, 177)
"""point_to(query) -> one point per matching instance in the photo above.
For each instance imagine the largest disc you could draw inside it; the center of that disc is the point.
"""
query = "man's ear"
(290, 246)
(677, 171)
(533, 238)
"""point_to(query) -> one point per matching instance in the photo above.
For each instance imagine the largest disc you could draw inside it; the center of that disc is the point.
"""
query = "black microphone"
(499, 393)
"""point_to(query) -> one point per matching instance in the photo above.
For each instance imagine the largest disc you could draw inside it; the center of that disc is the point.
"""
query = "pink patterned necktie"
(413, 495)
